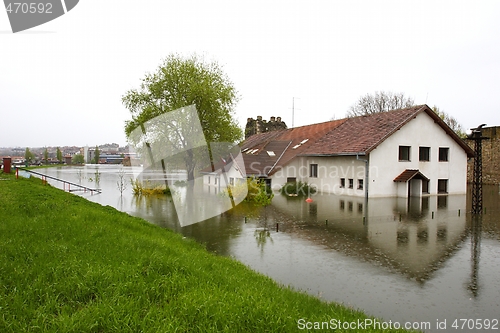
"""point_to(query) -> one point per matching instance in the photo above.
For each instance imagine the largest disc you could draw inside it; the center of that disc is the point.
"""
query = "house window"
(342, 204)
(442, 185)
(424, 154)
(342, 182)
(443, 154)
(215, 181)
(404, 153)
(360, 184)
(231, 181)
(351, 183)
(291, 180)
(313, 170)
(425, 186)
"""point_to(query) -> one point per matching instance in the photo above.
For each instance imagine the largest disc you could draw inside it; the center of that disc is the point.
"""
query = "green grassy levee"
(70, 265)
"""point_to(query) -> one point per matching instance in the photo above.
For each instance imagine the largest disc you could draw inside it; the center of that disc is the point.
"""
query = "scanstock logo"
(29, 14)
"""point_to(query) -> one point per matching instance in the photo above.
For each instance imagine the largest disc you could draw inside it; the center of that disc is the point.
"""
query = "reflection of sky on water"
(417, 260)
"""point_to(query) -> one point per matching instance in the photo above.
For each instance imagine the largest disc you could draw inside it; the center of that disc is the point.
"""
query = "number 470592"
(29, 8)
(475, 324)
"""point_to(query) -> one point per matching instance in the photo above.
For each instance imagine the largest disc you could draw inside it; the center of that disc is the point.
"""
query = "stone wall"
(255, 126)
(491, 156)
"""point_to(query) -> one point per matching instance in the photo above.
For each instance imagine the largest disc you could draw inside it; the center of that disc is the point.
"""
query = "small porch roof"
(410, 174)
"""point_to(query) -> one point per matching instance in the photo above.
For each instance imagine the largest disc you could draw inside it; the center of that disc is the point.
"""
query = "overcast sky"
(61, 83)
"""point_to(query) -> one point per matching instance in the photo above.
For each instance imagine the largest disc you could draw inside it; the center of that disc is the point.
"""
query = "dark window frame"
(360, 184)
(424, 154)
(442, 187)
(444, 154)
(404, 150)
(342, 182)
(313, 170)
(351, 182)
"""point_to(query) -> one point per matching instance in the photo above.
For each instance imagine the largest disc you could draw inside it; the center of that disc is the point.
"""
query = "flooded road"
(423, 260)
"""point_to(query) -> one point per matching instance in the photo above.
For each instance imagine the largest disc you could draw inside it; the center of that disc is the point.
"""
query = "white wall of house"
(419, 132)
(330, 171)
(218, 181)
(384, 165)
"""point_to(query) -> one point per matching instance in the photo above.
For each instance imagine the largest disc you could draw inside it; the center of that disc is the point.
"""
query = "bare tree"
(381, 101)
(451, 122)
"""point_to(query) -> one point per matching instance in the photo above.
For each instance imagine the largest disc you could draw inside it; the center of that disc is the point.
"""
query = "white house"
(406, 152)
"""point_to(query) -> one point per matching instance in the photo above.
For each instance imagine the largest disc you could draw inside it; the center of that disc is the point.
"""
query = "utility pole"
(477, 181)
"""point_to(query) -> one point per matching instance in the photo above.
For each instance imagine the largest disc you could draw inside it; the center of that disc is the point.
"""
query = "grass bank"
(70, 265)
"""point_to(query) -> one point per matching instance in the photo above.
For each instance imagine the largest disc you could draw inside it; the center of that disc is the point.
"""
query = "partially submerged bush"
(147, 188)
(258, 192)
(293, 189)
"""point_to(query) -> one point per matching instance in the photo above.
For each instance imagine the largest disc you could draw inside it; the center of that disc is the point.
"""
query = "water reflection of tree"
(263, 233)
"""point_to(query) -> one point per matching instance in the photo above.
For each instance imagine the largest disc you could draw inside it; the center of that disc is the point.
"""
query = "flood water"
(420, 261)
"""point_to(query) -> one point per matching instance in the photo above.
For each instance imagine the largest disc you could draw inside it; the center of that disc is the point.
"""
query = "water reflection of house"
(412, 236)
(407, 152)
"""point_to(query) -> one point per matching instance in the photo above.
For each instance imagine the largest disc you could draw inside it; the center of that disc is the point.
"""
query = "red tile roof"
(259, 163)
(360, 135)
(409, 174)
(350, 136)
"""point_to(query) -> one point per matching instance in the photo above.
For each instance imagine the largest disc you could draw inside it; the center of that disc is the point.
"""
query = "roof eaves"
(468, 150)
(397, 128)
(334, 154)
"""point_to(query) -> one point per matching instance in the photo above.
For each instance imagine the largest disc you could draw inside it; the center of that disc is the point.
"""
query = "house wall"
(330, 172)
(218, 181)
(419, 132)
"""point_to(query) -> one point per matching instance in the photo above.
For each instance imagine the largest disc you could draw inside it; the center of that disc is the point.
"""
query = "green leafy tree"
(97, 155)
(59, 155)
(179, 82)
(45, 156)
(78, 159)
(381, 101)
(28, 156)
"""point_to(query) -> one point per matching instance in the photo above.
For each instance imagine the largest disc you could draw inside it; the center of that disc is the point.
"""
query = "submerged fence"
(65, 182)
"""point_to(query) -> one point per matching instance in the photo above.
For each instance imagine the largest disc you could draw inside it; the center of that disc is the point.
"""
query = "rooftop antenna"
(293, 109)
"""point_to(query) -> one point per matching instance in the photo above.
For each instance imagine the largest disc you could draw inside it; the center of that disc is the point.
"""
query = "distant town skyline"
(61, 83)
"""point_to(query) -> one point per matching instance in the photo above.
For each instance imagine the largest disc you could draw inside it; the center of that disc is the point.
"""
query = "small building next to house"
(406, 152)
